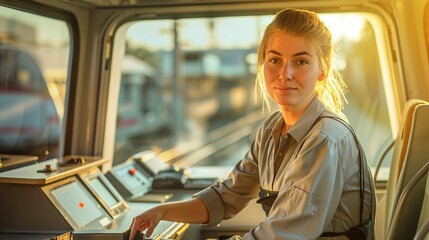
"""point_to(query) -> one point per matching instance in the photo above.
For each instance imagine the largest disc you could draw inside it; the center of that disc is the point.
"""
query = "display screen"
(103, 192)
(78, 203)
(132, 177)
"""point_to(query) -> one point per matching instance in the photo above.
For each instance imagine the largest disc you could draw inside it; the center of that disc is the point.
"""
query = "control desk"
(77, 201)
(134, 179)
(69, 200)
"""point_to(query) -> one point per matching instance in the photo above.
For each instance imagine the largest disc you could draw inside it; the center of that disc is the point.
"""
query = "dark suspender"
(267, 198)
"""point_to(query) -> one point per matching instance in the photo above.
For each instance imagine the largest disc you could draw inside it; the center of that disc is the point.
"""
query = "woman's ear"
(321, 76)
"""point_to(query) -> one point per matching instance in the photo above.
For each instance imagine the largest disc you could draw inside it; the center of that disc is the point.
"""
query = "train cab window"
(186, 86)
(176, 88)
(34, 60)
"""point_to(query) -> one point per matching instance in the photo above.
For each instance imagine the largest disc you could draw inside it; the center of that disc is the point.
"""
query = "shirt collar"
(305, 122)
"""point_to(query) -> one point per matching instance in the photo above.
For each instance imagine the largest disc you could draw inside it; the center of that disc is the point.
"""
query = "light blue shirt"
(318, 179)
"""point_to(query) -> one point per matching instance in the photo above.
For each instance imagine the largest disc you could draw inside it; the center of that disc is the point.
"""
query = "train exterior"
(98, 96)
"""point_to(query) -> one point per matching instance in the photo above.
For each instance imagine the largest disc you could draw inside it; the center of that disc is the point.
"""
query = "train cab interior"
(110, 107)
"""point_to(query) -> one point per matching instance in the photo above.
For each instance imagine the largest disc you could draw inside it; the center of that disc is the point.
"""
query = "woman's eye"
(274, 61)
(301, 62)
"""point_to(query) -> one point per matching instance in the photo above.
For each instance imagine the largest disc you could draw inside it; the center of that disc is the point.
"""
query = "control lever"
(139, 235)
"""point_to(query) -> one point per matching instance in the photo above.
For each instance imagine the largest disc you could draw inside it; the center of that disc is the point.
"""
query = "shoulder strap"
(359, 232)
(361, 160)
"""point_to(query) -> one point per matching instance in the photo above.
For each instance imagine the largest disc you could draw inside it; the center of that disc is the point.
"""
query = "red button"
(81, 204)
(132, 171)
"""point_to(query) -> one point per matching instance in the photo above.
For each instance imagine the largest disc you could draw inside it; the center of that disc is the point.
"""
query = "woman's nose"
(287, 72)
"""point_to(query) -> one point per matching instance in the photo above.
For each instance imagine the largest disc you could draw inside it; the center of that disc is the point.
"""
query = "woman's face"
(291, 69)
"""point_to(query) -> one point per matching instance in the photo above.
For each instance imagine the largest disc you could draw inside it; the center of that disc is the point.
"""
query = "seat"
(409, 198)
(385, 203)
(414, 156)
(423, 226)
(422, 232)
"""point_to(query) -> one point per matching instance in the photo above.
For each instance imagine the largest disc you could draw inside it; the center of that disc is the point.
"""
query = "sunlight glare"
(344, 26)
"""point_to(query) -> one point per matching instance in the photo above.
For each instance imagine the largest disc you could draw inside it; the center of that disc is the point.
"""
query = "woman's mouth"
(285, 89)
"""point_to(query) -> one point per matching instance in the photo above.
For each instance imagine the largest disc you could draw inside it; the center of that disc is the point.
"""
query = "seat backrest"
(423, 225)
(399, 150)
(409, 198)
(422, 232)
(416, 155)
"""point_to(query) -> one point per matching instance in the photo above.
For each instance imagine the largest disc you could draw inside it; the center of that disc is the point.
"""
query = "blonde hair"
(305, 23)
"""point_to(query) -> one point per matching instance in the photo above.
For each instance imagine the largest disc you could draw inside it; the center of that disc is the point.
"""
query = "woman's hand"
(146, 221)
(189, 211)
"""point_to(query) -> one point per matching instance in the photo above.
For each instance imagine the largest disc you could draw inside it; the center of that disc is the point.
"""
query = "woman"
(306, 164)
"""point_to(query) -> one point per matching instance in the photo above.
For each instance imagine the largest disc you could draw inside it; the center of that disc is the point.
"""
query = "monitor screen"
(78, 203)
(133, 177)
(101, 189)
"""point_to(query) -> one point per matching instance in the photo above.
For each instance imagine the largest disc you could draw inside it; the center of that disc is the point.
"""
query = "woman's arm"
(189, 211)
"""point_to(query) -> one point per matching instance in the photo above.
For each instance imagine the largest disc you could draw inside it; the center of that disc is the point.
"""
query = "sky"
(228, 32)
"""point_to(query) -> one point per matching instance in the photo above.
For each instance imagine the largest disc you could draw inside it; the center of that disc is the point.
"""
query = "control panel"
(147, 178)
(76, 200)
(130, 179)
(63, 194)
(104, 192)
(77, 204)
